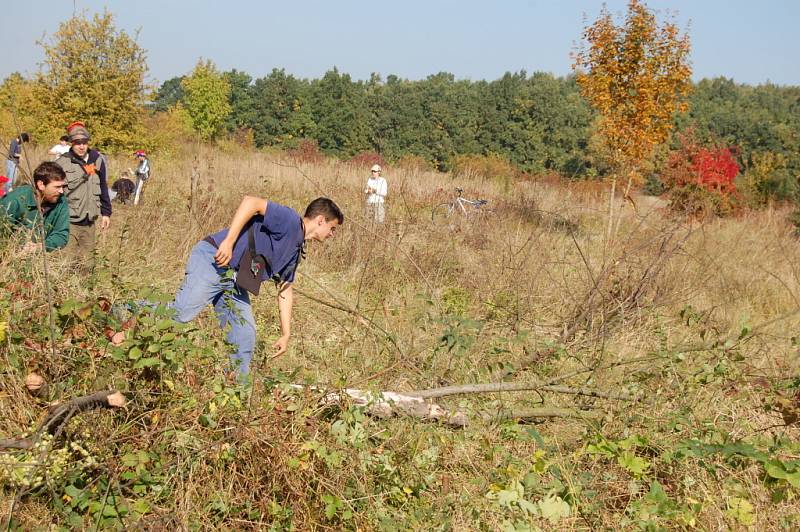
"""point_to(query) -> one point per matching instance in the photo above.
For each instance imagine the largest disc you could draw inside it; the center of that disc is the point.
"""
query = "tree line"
(538, 122)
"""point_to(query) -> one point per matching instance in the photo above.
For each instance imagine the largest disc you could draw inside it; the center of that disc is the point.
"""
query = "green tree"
(341, 119)
(206, 99)
(168, 94)
(17, 106)
(241, 100)
(281, 112)
(93, 73)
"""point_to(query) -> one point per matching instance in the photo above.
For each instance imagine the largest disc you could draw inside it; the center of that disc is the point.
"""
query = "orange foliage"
(637, 76)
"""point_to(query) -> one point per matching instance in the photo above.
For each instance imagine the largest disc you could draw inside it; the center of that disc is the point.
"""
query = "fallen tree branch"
(545, 412)
(390, 404)
(60, 413)
(491, 387)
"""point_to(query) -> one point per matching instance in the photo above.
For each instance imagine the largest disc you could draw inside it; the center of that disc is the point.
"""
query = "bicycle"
(459, 204)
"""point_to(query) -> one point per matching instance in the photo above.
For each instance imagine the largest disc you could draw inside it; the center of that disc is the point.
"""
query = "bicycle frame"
(464, 206)
(461, 202)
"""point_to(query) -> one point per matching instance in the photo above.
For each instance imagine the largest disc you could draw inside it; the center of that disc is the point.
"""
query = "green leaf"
(528, 507)
(776, 470)
(154, 348)
(141, 506)
(73, 492)
(130, 460)
(635, 464)
(534, 434)
(134, 353)
(147, 362)
(794, 479)
(553, 508)
(741, 510)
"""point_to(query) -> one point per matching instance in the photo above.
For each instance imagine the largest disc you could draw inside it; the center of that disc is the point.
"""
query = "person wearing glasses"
(376, 190)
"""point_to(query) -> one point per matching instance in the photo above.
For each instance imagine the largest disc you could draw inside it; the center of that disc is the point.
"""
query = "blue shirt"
(14, 151)
(279, 237)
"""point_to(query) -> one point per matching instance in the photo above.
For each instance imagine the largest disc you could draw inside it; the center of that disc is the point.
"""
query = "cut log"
(60, 413)
(389, 404)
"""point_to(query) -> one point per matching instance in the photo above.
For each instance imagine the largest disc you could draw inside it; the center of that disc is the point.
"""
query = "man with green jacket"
(24, 206)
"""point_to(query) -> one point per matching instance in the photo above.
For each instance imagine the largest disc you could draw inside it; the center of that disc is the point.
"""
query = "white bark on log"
(388, 404)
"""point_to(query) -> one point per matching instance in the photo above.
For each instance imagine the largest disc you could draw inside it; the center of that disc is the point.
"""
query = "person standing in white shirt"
(376, 195)
(61, 148)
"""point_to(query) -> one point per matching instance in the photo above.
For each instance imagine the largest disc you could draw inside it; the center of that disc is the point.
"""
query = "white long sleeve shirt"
(378, 184)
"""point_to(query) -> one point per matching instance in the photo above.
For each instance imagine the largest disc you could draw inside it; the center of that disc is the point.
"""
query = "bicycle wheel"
(441, 212)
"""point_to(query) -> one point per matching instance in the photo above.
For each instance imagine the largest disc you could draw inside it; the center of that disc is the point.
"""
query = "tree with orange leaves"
(637, 75)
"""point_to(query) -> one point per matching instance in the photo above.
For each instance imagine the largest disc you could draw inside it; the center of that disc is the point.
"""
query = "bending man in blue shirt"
(265, 241)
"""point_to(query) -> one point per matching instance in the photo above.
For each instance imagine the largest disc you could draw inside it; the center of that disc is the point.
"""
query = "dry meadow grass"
(696, 320)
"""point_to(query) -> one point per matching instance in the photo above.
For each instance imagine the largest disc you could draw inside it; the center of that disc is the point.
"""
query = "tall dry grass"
(695, 319)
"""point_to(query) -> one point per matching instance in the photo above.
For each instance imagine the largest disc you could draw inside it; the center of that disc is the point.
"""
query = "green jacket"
(19, 208)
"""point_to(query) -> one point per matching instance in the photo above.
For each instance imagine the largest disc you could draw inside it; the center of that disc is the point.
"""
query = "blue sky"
(750, 41)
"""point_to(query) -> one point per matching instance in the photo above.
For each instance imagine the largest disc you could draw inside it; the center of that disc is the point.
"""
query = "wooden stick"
(491, 387)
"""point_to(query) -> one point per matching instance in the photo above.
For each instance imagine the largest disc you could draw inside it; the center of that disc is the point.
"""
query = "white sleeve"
(382, 188)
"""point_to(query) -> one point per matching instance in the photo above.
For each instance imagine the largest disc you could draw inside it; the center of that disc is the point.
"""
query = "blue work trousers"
(205, 283)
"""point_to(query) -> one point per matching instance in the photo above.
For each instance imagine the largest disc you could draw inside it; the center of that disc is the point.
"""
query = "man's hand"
(105, 222)
(224, 253)
(280, 346)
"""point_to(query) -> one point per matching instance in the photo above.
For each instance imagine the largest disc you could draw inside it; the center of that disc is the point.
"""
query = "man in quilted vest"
(86, 193)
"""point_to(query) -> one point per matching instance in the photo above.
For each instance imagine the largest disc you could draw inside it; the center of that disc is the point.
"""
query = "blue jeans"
(11, 173)
(205, 283)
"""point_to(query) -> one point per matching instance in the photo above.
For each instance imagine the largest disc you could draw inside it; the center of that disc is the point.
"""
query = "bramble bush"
(306, 151)
(484, 168)
(700, 179)
(366, 159)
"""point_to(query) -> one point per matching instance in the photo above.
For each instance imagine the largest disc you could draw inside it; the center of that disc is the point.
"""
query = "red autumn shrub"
(306, 151)
(700, 179)
(366, 159)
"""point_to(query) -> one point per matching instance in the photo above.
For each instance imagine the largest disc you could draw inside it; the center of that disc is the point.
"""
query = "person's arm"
(59, 234)
(10, 208)
(105, 199)
(249, 207)
(54, 150)
(285, 303)
(382, 188)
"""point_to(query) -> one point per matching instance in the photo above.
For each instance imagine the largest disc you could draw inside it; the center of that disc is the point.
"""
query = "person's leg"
(11, 170)
(137, 190)
(380, 213)
(202, 283)
(80, 246)
(233, 310)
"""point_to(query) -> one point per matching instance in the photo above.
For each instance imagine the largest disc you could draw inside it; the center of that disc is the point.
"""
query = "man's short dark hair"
(65, 138)
(48, 171)
(327, 208)
(24, 137)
